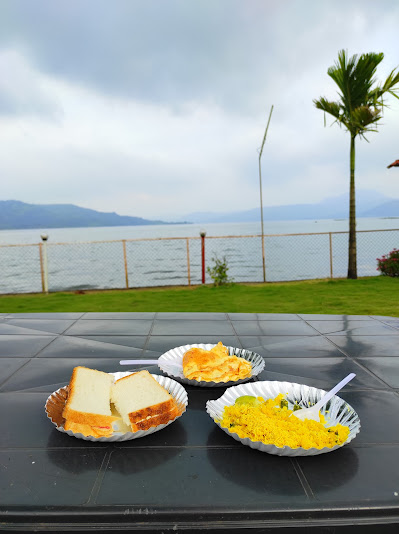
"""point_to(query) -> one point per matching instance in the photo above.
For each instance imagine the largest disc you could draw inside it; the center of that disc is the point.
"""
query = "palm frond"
(391, 84)
(364, 116)
(361, 100)
(332, 108)
(355, 77)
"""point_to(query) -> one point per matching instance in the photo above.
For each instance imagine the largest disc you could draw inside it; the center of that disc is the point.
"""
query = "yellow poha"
(268, 422)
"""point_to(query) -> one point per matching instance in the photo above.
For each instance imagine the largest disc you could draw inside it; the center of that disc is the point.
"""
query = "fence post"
(45, 265)
(125, 263)
(188, 261)
(331, 256)
(41, 265)
(203, 234)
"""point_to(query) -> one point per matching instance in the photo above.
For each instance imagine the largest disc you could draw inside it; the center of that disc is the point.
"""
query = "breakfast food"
(273, 423)
(215, 365)
(87, 409)
(142, 402)
(97, 406)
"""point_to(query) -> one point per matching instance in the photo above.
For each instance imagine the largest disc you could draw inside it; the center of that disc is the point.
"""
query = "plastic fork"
(313, 412)
(171, 368)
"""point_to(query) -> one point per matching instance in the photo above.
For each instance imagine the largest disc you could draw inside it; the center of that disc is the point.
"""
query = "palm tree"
(359, 108)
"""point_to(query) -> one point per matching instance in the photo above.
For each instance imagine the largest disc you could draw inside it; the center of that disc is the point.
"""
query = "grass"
(365, 296)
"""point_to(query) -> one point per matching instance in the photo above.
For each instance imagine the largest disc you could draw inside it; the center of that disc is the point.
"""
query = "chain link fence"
(21, 269)
(177, 261)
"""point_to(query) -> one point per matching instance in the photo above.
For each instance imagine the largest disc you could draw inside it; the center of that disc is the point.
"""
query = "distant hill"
(368, 204)
(388, 209)
(16, 215)
(19, 215)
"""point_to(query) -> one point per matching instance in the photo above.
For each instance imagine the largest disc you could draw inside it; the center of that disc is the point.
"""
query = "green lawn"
(365, 296)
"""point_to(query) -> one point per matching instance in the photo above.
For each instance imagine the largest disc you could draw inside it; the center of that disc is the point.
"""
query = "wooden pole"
(125, 263)
(41, 266)
(188, 261)
(45, 262)
(331, 255)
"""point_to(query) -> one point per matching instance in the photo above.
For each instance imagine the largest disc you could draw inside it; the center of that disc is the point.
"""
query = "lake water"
(62, 235)
(93, 258)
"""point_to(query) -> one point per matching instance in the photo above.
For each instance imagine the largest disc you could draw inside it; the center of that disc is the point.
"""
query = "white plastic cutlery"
(313, 411)
(171, 368)
(138, 362)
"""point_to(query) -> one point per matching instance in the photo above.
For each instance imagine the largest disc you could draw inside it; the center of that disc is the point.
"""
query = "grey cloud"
(239, 55)
(170, 51)
(20, 91)
(236, 54)
(164, 51)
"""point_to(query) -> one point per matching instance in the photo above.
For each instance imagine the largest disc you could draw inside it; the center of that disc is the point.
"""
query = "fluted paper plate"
(175, 356)
(335, 411)
(56, 402)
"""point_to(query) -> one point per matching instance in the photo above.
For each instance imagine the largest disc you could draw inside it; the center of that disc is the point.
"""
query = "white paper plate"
(175, 356)
(56, 402)
(335, 411)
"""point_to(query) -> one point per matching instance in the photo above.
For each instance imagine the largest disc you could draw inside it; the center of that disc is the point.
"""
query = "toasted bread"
(87, 409)
(142, 401)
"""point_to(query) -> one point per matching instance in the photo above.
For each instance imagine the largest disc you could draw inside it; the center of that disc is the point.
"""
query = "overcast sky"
(157, 108)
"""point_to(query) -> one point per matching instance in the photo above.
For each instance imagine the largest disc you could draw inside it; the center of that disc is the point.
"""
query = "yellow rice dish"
(269, 422)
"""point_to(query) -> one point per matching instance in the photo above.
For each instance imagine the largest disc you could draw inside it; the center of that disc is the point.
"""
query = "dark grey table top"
(191, 474)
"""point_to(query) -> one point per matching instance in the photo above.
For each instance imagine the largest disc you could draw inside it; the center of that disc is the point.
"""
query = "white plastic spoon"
(171, 368)
(313, 411)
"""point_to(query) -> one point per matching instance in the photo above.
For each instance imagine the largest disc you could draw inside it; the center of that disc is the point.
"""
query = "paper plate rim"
(215, 408)
(172, 386)
(176, 354)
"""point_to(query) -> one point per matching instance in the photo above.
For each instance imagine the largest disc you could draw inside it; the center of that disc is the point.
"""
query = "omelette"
(215, 365)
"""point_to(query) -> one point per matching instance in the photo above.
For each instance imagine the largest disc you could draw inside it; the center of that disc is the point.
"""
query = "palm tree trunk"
(352, 256)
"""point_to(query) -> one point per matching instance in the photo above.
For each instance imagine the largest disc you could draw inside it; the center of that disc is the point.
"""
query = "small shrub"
(218, 272)
(388, 264)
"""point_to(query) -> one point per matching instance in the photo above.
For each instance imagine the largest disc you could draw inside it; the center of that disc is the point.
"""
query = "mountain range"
(20, 215)
(368, 204)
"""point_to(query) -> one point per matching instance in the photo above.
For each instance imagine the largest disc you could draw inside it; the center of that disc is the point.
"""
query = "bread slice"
(87, 409)
(142, 402)
(155, 420)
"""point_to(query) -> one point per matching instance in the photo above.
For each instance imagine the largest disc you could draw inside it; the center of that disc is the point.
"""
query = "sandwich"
(142, 402)
(215, 365)
(97, 406)
(87, 409)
